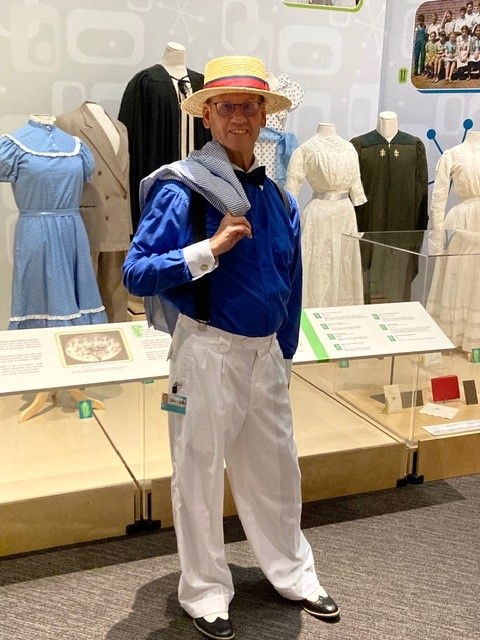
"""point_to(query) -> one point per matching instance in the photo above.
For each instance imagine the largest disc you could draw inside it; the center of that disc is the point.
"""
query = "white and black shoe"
(219, 628)
(323, 607)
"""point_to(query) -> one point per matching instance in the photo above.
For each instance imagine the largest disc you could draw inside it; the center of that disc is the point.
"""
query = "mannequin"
(393, 167)
(387, 124)
(158, 131)
(275, 145)
(332, 273)
(175, 60)
(326, 129)
(53, 280)
(455, 290)
(43, 118)
(105, 203)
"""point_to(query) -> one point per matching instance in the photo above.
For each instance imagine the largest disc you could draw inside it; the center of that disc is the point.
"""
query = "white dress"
(454, 299)
(332, 271)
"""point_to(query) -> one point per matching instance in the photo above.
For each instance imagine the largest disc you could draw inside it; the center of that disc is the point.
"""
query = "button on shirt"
(255, 290)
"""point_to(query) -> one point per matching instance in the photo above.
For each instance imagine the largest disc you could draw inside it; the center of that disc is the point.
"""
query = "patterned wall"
(57, 53)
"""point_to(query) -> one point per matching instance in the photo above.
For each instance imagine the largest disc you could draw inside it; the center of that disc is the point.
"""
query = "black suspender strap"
(201, 286)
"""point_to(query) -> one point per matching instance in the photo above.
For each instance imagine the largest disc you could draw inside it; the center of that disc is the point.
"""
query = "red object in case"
(445, 388)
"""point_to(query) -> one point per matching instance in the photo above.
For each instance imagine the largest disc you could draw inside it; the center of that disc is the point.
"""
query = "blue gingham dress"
(53, 279)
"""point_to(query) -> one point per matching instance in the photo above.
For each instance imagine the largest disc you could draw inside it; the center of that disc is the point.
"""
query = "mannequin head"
(174, 59)
(43, 118)
(387, 124)
(326, 129)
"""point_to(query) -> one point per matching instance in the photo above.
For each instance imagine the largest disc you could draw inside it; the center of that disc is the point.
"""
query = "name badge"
(173, 402)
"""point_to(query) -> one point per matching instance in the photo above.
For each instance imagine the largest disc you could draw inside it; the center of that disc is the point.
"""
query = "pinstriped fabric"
(207, 171)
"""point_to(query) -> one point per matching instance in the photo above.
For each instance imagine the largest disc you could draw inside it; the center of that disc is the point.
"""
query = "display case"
(81, 433)
(427, 397)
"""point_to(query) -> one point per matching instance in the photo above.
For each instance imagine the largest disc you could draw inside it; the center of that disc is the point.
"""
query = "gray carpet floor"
(404, 564)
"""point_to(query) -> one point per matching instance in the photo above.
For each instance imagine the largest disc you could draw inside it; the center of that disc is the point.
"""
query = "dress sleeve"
(9, 156)
(356, 192)
(441, 188)
(421, 187)
(88, 161)
(296, 171)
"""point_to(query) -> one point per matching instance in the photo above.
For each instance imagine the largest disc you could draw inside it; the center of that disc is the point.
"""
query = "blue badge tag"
(174, 402)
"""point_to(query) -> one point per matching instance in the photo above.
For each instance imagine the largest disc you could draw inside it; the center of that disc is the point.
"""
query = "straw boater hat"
(235, 74)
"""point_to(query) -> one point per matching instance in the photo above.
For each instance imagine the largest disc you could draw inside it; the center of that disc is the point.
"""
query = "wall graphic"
(446, 47)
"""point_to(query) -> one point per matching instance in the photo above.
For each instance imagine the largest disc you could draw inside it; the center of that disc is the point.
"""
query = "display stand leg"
(143, 522)
(412, 476)
(392, 369)
(40, 398)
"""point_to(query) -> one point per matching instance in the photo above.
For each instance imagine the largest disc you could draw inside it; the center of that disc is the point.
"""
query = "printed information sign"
(364, 331)
(62, 357)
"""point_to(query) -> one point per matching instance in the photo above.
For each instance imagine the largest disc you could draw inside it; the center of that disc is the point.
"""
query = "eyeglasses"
(227, 109)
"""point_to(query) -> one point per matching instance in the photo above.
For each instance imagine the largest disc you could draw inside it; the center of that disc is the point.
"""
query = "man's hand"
(230, 231)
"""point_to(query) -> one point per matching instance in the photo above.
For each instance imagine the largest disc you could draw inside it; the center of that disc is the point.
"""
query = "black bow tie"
(257, 176)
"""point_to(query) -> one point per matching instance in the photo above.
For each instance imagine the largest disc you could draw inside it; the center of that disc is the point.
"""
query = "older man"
(220, 246)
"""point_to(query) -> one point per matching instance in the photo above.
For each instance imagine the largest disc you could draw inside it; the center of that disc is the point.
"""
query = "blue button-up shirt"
(255, 289)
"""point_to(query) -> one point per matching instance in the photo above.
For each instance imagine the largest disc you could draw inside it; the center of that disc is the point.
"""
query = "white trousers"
(237, 410)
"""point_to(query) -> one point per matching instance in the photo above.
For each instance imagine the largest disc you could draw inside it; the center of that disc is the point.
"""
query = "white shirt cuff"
(199, 258)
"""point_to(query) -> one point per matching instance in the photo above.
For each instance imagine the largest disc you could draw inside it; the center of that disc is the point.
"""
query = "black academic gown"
(395, 180)
(151, 113)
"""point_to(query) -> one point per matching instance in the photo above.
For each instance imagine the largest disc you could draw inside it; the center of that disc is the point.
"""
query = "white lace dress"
(454, 299)
(332, 271)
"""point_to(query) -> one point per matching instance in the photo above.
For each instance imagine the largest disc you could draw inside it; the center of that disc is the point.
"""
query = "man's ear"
(206, 116)
(264, 116)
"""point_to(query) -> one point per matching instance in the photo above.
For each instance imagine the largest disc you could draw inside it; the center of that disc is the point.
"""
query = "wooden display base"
(449, 456)
(437, 456)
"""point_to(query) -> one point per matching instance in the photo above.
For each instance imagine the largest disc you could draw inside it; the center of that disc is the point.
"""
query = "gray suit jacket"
(105, 206)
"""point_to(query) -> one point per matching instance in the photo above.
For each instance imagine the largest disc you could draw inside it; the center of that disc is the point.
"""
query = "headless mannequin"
(387, 125)
(41, 397)
(43, 118)
(174, 60)
(473, 137)
(326, 129)
(107, 125)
